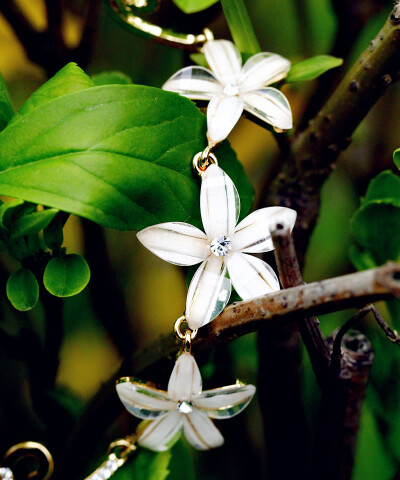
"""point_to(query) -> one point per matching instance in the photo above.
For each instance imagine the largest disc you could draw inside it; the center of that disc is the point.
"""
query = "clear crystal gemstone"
(185, 407)
(221, 246)
(6, 474)
(231, 90)
(112, 465)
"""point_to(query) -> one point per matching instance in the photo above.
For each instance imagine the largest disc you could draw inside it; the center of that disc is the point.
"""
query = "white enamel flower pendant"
(222, 250)
(184, 407)
(232, 88)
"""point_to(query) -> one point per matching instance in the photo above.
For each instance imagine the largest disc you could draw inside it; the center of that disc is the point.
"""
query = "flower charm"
(184, 406)
(231, 88)
(223, 248)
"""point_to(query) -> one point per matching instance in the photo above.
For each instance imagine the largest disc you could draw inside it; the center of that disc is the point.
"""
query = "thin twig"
(392, 335)
(290, 276)
(315, 150)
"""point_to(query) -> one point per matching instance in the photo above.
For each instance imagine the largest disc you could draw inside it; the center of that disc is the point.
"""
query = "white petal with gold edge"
(263, 69)
(185, 380)
(223, 113)
(219, 203)
(176, 242)
(209, 292)
(200, 431)
(197, 83)
(225, 402)
(250, 276)
(143, 401)
(224, 59)
(270, 105)
(252, 235)
(157, 433)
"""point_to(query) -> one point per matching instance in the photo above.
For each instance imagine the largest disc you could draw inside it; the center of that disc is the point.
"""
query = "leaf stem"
(240, 26)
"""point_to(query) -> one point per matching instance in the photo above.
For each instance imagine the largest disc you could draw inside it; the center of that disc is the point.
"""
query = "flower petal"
(219, 203)
(175, 242)
(250, 276)
(143, 401)
(224, 59)
(262, 69)
(225, 402)
(270, 105)
(197, 83)
(208, 293)
(157, 433)
(253, 234)
(185, 380)
(200, 431)
(223, 113)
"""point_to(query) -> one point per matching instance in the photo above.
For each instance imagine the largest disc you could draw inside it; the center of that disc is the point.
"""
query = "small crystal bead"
(185, 407)
(231, 90)
(112, 465)
(221, 246)
(6, 474)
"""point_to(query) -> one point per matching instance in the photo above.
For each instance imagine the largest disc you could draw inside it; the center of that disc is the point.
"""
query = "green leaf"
(69, 79)
(361, 259)
(376, 228)
(312, 68)
(14, 209)
(199, 59)
(111, 78)
(192, 6)
(396, 157)
(53, 235)
(146, 466)
(6, 110)
(240, 25)
(384, 188)
(23, 289)
(66, 276)
(119, 155)
(32, 223)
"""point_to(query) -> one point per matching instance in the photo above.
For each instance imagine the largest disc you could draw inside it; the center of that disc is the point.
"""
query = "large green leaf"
(111, 78)
(192, 6)
(396, 157)
(6, 110)
(312, 68)
(119, 155)
(69, 79)
(376, 227)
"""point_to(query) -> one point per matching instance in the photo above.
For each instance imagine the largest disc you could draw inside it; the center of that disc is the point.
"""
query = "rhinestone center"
(185, 407)
(231, 90)
(221, 246)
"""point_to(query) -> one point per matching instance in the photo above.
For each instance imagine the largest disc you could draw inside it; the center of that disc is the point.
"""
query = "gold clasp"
(125, 9)
(187, 335)
(202, 160)
(25, 450)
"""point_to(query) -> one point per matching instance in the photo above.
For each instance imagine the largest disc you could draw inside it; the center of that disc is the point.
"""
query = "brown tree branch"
(341, 402)
(315, 150)
(238, 319)
(290, 276)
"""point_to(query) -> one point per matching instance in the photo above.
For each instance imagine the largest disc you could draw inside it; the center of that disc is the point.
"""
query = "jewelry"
(185, 406)
(231, 88)
(119, 453)
(222, 249)
(19, 452)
